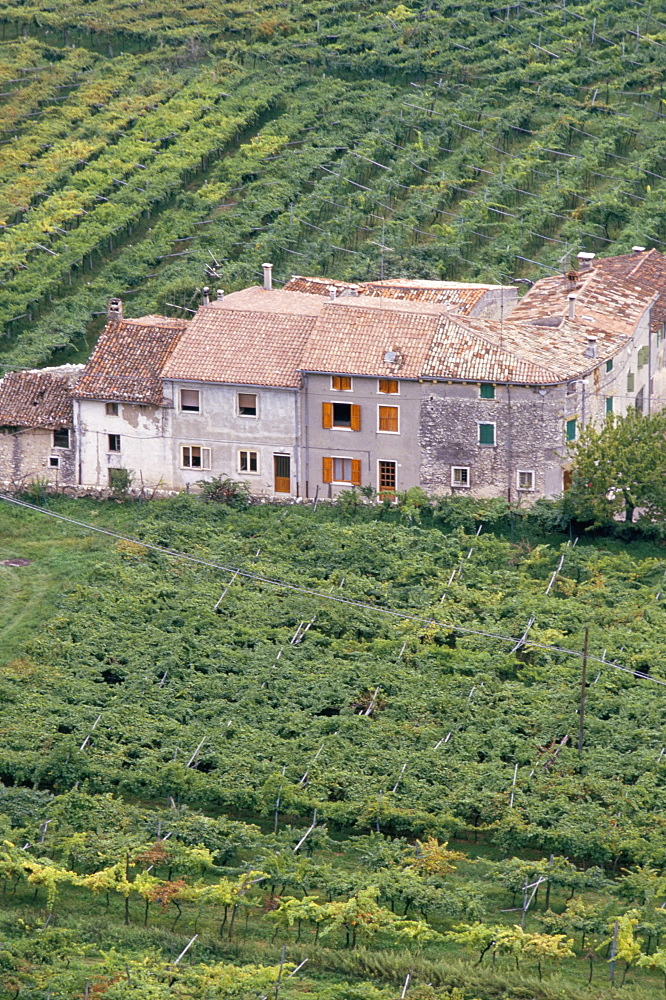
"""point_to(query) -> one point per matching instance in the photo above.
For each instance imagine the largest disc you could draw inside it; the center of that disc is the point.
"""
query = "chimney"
(114, 312)
(585, 260)
(591, 349)
(220, 294)
(572, 304)
(332, 292)
(268, 277)
(353, 290)
(637, 249)
(206, 300)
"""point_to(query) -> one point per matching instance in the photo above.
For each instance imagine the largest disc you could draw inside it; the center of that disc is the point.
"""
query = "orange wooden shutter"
(327, 415)
(327, 475)
(356, 471)
(355, 417)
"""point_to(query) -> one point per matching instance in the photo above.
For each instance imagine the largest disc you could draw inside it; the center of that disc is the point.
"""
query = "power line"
(173, 553)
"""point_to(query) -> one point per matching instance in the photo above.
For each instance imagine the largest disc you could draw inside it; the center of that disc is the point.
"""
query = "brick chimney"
(585, 260)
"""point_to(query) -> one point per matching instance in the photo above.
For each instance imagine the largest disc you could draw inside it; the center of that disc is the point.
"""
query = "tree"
(543, 946)
(619, 468)
(655, 961)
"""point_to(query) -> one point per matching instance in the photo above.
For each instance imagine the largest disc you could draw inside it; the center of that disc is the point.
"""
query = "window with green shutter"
(609, 365)
(630, 382)
(571, 429)
(609, 404)
(643, 356)
(486, 433)
(487, 392)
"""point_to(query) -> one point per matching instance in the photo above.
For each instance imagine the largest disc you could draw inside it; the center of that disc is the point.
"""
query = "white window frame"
(197, 468)
(394, 407)
(110, 450)
(379, 486)
(388, 395)
(526, 472)
(54, 461)
(247, 416)
(181, 408)
(341, 482)
(248, 471)
(460, 486)
(351, 383)
(484, 423)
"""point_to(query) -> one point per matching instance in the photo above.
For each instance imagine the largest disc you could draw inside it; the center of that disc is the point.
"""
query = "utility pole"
(583, 691)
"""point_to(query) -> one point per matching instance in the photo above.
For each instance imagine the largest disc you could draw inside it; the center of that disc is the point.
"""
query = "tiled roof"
(351, 336)
(40, 398)
(244, 347)
(646, 271)
(257, 299)
(128, 360)
(462, 354)
(461, 297)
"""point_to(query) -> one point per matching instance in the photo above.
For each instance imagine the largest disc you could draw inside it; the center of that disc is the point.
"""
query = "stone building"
(37, 440)
(324, 385)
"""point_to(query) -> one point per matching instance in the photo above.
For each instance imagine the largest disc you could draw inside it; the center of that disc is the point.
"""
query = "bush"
(226, 491)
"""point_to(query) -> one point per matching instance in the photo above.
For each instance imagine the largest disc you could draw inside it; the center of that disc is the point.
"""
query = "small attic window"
(390, 357)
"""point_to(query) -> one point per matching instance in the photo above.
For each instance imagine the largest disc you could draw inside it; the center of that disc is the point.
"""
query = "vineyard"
(149, 149)
(270, 774)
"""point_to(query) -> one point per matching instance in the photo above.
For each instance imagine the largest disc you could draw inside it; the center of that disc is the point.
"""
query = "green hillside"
(148, 149)
(187, 752)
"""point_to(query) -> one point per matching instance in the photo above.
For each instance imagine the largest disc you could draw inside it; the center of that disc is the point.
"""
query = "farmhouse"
(323, 385)
(37, 427)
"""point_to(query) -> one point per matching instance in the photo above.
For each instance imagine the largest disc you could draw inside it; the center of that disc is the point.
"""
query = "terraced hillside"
(150, 148)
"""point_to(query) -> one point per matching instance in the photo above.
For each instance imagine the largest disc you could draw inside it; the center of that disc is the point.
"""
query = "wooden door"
(282, 473)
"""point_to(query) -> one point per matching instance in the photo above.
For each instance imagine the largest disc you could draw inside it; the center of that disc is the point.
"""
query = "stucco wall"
(220, 427)
(369, 445)
(144, 448)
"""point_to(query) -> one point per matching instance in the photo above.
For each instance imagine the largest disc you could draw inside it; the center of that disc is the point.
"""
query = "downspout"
(649, 392)
(306, 429)
(297, 452)
(509, 454)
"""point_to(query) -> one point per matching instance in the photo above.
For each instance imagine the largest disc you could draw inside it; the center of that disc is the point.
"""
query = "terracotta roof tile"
(38, 398)
(353, 337)
(460, 353)
(244, 347)
(459, 296)
(128, 360)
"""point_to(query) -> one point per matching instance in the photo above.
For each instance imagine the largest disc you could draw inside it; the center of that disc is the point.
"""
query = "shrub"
(226, 491)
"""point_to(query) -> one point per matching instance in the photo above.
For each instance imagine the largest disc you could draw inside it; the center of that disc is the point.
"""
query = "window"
(345, 415)
(54, 462)
(609, 404)
(387, 478)
(248, 461)
(341, 470)
(388, 385)
(630, 381)
(571, 429)
(190, 400)
(114, 442)
(61, 438)
(609, 365)
(247, 404)
(486, 433)
(388, 419)
(643, 356)
(639, 401)
(487, 392)
(342, 382)
(459, 476)
(112, 409)
(193, 456)
(525, 480)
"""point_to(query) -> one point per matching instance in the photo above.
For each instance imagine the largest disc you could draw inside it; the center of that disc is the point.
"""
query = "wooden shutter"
(327, 474)
(356, 472)
(355, 417)
(327, 415)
